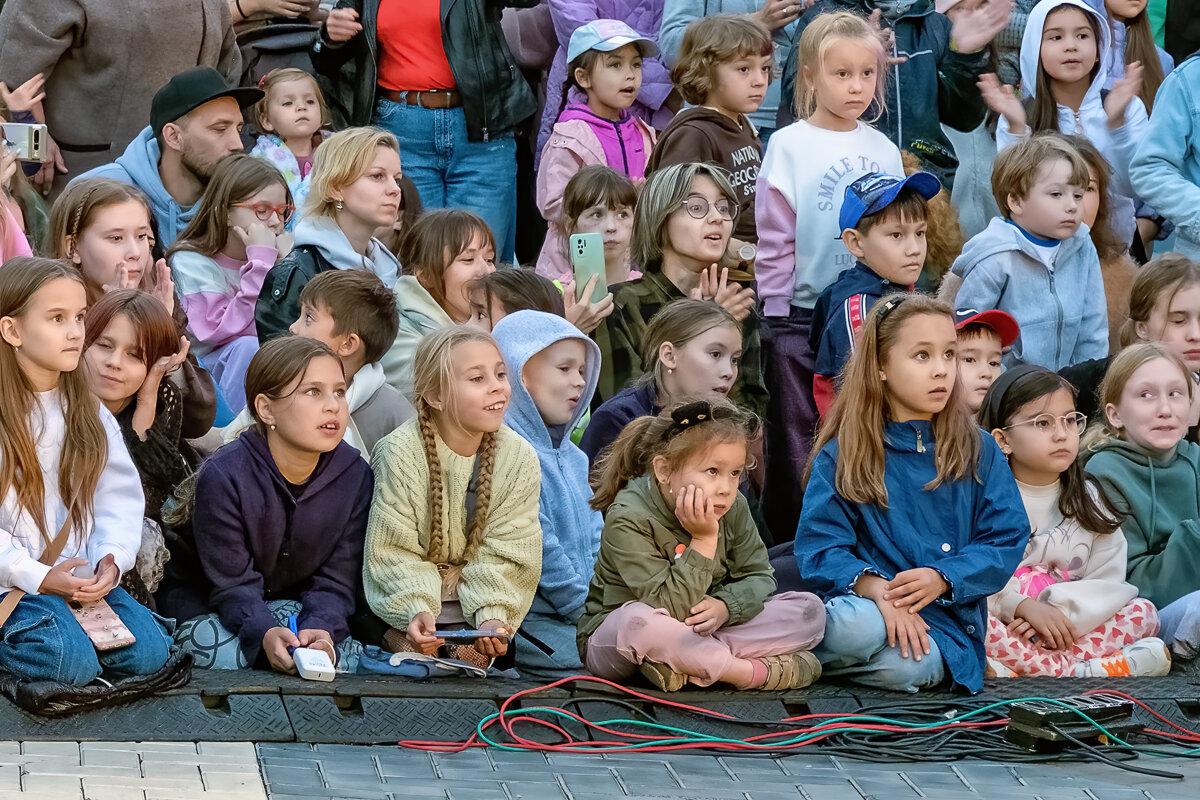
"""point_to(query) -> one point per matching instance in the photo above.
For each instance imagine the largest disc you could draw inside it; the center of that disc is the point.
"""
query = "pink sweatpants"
(1137, 620)
(635, 632)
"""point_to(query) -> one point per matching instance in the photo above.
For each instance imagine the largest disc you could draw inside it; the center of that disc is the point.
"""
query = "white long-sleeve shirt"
(118, 506)
(1089, 567)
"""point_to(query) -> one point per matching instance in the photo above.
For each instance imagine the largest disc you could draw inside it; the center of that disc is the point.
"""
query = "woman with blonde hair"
(354, 189)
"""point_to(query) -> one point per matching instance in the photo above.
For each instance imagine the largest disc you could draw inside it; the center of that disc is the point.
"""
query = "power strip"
(1044, 726)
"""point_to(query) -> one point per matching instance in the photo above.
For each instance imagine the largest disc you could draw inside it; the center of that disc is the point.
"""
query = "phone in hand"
(471, 636)
(28, 141)
(587, 259)
(102, 625)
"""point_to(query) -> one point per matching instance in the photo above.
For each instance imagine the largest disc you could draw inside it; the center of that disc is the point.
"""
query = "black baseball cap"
(191, 89)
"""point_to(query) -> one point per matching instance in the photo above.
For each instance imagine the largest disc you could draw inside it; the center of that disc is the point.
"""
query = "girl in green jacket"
(682, 585)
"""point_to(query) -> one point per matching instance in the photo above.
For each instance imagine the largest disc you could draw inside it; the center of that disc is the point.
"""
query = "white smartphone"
(587, 259)
(26, 140)
(313, 665)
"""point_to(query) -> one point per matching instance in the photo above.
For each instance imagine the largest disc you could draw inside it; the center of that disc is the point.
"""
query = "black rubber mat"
(175, 718)
(268, 707)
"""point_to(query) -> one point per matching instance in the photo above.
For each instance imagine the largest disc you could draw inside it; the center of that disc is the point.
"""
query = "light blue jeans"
(1179, 626)
(42, 641)
(856, 645)
(451, 171)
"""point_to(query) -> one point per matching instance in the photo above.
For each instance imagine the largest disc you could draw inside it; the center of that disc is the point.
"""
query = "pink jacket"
(576, 143)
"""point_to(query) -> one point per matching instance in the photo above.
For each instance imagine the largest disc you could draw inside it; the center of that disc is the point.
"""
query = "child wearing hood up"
(553, 372)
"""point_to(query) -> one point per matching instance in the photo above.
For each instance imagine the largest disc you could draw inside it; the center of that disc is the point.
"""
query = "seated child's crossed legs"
(635, 632)
(856, 645)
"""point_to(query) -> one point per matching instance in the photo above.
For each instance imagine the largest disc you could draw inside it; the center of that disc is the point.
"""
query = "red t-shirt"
(411, 54)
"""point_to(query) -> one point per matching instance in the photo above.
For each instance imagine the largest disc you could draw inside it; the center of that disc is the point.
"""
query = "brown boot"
(663, 676)
(791, 671)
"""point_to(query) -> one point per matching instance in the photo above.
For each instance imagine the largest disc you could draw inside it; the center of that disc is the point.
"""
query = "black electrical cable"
(1157, 773)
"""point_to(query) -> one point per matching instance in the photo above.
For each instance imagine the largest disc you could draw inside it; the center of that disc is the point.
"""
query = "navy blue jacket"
(840, 313)
(973, 532)
(614, 414)
(257, 542)
(934, 85)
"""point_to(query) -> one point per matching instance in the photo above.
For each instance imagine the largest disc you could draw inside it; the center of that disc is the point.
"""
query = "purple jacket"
(643, 17)
(258, 542)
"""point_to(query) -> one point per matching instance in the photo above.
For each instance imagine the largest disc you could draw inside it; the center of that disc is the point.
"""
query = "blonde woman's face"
(374, 197)
(480, 389)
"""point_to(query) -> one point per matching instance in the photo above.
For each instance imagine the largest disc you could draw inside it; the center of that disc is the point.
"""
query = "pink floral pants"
(1137, 620)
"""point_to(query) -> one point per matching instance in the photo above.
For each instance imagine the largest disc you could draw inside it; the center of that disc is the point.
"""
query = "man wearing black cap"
(194, 122)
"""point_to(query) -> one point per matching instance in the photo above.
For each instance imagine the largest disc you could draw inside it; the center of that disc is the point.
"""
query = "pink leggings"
(1136, 620)
(635, 632)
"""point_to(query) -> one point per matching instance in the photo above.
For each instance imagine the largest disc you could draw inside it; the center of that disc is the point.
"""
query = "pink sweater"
(219, 294)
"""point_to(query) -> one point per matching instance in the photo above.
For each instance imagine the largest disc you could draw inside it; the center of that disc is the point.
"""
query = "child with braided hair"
(453, 539)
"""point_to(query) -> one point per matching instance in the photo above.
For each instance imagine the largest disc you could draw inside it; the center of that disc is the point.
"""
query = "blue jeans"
(451, 171)
(1179, 626)
(42, 641)
(855, 645)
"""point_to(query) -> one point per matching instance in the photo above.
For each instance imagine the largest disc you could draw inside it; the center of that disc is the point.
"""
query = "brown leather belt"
(433, 98)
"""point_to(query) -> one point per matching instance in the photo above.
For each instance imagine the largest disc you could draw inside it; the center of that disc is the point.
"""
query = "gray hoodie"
(1060, 307)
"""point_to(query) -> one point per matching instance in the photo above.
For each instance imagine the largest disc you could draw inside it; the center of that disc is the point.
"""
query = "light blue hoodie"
(1061, 308)
(138, 166)
(570, 528)
(1166, 169)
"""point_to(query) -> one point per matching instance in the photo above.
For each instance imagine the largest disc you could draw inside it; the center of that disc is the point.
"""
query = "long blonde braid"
(429, 444)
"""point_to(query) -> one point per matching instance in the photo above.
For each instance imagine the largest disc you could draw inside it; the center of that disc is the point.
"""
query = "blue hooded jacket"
(138, 166)
(570, 528)
(971, 531)
(1061, 309)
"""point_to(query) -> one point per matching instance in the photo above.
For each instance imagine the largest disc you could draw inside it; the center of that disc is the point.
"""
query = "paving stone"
(110, 758)
(66, 769)
(65, 787)
(230, 749)
(58, 749)
(91, 792)
(10, 780)
(141, 747)
(226, 782)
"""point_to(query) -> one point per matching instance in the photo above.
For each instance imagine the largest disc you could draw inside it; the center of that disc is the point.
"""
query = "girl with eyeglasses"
(682, 224)
(221, 259)
(1068, 610)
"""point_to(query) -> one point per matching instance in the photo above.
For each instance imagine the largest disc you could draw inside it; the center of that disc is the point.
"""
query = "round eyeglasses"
(1073, 423)
(697, 207)
(264, 211)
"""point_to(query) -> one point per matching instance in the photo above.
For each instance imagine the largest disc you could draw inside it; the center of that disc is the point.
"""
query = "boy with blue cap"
(883, 222)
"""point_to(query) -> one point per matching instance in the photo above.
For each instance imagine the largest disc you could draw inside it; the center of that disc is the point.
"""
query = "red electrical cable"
(507, 720)
(1190, 733)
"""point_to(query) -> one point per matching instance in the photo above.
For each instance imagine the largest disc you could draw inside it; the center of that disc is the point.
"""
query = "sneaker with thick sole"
(791, 671)
(663, 676)
(997, 670)
(1148, 656)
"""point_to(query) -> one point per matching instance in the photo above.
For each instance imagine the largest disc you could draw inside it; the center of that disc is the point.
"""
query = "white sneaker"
(1148, 656)
(994, 669)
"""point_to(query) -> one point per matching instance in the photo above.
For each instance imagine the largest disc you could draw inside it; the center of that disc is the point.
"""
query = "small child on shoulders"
(1038, 262)
(355, 315)
(982, 337)
(724, 66)
(884, 222)
(289, 119)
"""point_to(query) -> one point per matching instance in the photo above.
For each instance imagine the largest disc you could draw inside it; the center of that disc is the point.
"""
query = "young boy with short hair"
(982, 337)
(724, 66)
(353, 313)
(1038, 262)
(553, 371)
(883, 222)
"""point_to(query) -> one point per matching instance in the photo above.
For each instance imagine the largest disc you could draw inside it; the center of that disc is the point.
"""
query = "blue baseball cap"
(875, 191)
(605, 35)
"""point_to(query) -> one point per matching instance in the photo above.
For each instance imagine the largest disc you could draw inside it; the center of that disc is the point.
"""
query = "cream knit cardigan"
(500, 581)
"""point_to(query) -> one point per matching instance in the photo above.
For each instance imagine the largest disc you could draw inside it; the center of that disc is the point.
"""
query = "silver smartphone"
(27, 140)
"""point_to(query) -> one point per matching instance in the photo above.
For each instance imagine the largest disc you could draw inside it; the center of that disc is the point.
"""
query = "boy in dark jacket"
(939, 62)
(883, 221)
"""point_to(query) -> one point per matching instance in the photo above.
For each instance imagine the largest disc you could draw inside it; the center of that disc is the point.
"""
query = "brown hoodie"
(704, 134)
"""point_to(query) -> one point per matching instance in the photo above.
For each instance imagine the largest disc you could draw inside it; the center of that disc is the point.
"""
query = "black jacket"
(495, 96)
(278, 304)
(932, 70)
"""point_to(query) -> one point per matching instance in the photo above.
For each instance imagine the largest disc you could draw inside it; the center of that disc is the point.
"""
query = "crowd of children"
(800, 424)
